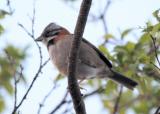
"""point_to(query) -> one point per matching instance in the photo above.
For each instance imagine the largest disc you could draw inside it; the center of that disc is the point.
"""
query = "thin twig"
(16, 81)
(33, 17)
(155, 48)
(20, 73)
(12, 63)
(28, 90)
(29, 34)
(11, 10)
(155, 65)
(67, 110)
(102, 17)
(63, 101)
(15, 92)
(99, 90)
(40, 66)
(107, 7)
(45, 62)
(104, 24)
(45, 98)
(33, 38)
(116, 106)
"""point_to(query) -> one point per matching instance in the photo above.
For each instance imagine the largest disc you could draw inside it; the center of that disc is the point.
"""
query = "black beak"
(39, 39)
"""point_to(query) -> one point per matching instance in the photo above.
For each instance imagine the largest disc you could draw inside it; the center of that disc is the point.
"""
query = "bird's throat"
(50, 42)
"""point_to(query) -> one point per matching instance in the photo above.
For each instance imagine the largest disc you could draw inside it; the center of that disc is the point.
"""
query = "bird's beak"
(39, 39)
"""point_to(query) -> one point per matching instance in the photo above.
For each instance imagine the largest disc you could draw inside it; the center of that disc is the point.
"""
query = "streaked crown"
(51, 29)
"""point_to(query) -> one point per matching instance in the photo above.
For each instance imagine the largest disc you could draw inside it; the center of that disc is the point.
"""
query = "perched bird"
(91, 62)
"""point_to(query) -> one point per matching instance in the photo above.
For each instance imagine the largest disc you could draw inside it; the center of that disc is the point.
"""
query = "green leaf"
(130, 46)
(120, 54)
(108, 36)
(125, 33)
(59, 77)
(156, 15)
(14, 52)
(143, 58)
(122, 111)
(2, 104)
(105, 51)
(110, 87)
(144, 39)
(156, 28)
(142, 107)
(3, 13)
(149, 23)
(108, 104)
(148, 29)
(1, 29)
(126, 96)
(143, 85)
(8, 87)
(120, 49)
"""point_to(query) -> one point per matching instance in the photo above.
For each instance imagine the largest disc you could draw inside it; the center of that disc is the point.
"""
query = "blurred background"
(126, 31)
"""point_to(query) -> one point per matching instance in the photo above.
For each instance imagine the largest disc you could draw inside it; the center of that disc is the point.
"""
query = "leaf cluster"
(10, 61)
(138, 61)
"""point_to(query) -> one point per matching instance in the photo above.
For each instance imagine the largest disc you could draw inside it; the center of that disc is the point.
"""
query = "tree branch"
(15, 75)
(157, 111)
(63, 101)
(155, 49)
(72, 81)
(11, 10)
(97, 91)
(116, 106)
(45, 98)
(102, 17)
(31, 34)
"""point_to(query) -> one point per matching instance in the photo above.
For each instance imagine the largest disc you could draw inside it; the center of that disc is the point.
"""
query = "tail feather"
(130, 84)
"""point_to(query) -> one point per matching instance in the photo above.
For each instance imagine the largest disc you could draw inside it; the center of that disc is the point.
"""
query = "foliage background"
(132, 48)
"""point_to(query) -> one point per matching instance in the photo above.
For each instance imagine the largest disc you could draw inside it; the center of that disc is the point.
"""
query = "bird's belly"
(86, 72)
(60, 60)
(83, 71)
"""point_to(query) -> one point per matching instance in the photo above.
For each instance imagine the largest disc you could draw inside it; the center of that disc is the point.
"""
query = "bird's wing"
(100, 54)
(87, 62)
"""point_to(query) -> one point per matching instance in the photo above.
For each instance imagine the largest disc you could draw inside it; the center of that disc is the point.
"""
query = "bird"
(91, 61)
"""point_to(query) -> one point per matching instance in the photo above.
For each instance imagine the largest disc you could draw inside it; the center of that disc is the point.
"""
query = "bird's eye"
(51, 33)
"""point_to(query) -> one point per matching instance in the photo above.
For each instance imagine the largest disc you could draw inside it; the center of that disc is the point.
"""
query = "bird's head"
(52, 32)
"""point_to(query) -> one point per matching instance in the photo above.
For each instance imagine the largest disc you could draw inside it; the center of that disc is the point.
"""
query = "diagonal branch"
(40, 66)
(158, 110)
(63, 101)
(45, 98)
(72, 81)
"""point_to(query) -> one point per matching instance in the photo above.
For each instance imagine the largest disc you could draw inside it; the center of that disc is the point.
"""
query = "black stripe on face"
(50, 42)
(50, 33)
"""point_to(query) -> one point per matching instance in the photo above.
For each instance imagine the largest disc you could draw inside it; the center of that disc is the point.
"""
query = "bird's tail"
(130, 84)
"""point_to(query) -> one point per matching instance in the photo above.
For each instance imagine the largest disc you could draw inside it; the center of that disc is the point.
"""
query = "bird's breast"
(59, 54)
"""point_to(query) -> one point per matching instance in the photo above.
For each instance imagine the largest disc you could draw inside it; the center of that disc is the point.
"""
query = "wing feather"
(108, 63)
